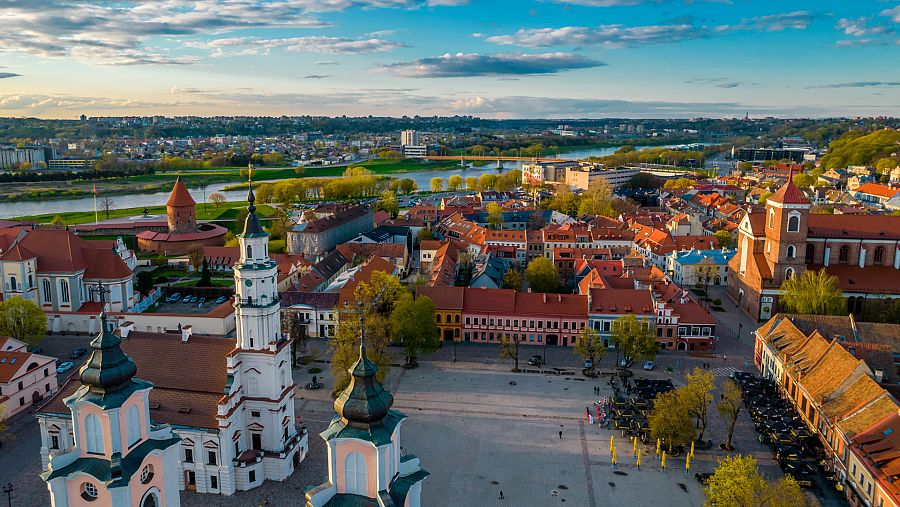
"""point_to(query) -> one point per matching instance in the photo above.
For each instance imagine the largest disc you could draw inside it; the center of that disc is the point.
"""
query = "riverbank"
(160, 182)
(225, 211)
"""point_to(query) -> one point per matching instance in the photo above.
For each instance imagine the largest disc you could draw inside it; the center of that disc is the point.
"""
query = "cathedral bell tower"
(787, 224)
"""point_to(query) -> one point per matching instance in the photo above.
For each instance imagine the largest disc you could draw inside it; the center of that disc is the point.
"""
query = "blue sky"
(491, 58)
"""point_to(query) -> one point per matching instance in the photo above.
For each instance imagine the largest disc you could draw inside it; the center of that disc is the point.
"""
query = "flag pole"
(96, 216)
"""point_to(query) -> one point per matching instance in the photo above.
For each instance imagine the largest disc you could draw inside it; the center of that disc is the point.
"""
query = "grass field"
(226, 211)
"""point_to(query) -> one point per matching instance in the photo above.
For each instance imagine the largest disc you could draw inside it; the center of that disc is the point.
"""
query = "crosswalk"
(723, 371)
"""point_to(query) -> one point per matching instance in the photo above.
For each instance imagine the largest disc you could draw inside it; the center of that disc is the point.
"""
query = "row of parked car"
(188, 298)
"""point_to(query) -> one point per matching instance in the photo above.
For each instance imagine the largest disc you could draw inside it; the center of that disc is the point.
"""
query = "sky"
(488, 58)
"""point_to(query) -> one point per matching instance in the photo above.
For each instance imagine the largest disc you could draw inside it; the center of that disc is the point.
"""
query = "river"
(422, 178)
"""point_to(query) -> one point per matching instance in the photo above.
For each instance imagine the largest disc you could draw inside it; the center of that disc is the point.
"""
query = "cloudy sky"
(492, 58)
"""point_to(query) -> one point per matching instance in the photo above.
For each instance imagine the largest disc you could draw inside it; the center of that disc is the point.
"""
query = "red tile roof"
(444, 298)
(61, 251)
(180, 195)
(621, 301)
(788, 194)
(854, 226)
(876, 189)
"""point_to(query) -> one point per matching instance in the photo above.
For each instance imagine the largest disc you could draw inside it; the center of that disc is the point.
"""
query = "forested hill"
(880, 148)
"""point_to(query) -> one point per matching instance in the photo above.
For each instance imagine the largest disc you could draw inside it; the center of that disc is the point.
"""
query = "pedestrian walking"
(501, 494)
(724, 357)
(560, 434)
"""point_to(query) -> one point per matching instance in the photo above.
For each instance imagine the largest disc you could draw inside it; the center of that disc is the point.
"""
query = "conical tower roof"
(180, 195)
(788, 193)
(252, 227)
(365, 402)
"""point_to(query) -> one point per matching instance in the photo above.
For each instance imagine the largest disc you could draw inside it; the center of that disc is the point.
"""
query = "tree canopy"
(541, 275)
(413, 326)
(23, 320)
(813, 292)
(860, 148)
(737, 482)
(634, 337)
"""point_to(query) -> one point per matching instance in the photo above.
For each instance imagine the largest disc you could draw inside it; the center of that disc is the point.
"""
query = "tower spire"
(108, 368)
(252, 227)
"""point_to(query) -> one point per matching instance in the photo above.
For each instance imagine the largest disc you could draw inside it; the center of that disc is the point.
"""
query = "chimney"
(879, 376)
(126, 328)
(186, 332)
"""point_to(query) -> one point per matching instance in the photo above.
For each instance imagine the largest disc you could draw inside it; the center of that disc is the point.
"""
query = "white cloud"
(310, 44)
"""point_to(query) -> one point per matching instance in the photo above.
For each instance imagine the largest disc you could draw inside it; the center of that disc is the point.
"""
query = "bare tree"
(217, 198)
(106, 204)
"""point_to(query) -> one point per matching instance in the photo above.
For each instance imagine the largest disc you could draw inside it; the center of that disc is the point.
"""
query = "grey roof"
(400, 486)
(318, 300)
(331, 264)
(114, 473)
(386, 233)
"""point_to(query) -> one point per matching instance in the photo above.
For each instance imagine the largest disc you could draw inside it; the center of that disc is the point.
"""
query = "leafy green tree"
(413, 326)
(407, 185)
(737, 482)
(23, 320)
(196, 257)
(541, 275)
(486, 181)
(745, 166)
(804, 180)
(495, 215)
(564, 201)
(813, 292)
(281, 224)
(729, 407)
(58, 221)
(597, 200)
(680, 183)
(509, 348)
(388, 202)
(144, 283)
(670, 421)
(425, 235)
(724, 238)
(697, 397)
(454, 183)
(472, 183)
(634, 337)
(590, 346)
(437, 184)
(512, 279)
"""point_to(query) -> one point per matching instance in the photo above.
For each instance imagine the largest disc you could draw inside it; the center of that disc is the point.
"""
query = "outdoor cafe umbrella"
(663, 462)
(657, 447)
(639, 459)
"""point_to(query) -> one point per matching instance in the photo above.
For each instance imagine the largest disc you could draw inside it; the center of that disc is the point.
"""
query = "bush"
(717, 302)
(315, 371)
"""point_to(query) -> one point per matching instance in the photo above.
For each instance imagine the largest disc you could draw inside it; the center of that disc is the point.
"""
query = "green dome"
(108, 368)
(364, 403)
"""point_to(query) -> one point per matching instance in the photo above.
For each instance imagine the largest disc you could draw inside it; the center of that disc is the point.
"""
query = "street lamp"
(8, 489)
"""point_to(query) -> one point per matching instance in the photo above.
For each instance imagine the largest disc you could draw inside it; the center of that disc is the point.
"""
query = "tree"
(745, 166)
(737, 482)
(472, 183)
(564, 201)
(413, 326)
(25, 166)
(590, 346)
(205, 278)
(144, 282)
(541, 275)
(670, 421)
(407, 185)
(344, 344)
(486, 181)
(217, 198)
(294, 327)
(454, 182)
(724, 238)
(23, 320)
(495, 215)
(634, 337)
(597, 200)
(706, 272)
(388, 202)
(437, 184)
(106, 204)
(425, 235)
(281, 224)
(509, 348)
(195, 255)
(512, 279)
(680, 183)
(813, 292)
(729, 407)
(696, 396)
(804, 180)
(58, 221)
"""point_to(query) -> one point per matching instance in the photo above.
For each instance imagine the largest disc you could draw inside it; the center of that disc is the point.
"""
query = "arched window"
(64, 291)
(356, 474)
(791, 251)
(93, 434)
(150, 500)
(810, 253)
(793, 224)
(30, 281)
(879, 255)
(771, 219)
(456, 318)
(13, 284)
(437, 317)
(48, 293)
(788, 273)
(133, 425)
(249, 252)
(844, 254)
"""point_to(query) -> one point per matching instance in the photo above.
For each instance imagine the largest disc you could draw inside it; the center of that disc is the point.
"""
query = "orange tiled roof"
(180, 195)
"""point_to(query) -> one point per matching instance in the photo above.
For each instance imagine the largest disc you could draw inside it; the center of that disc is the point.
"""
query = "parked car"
(64, 367)
(626, 362)
(188, 299)
(201, 301)
(588, 363)
(535, 360)
(221, 299)
(802, 472)
(174, 297)
(649, 365)
(36, 350)
(78, 352)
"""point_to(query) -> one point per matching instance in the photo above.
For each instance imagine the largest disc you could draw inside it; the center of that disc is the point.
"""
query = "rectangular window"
(466, 335)
(54, 441)
(211, 458)
(22, 402)
(507, 322)
(213, 482)
(252, 476)
(516, 323)
(467, 321)
(492, 322)
(20, 386)
(47, 388)
(188, 455)
(254, 413)
(46, 372)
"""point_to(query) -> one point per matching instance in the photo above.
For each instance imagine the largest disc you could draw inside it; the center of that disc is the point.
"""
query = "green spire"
(364, 403)
(108, 368)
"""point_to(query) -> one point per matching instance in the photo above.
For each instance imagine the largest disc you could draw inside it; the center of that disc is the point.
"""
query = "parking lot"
(191, 307)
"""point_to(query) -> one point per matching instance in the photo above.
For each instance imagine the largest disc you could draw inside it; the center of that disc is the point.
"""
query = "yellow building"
(448, 304)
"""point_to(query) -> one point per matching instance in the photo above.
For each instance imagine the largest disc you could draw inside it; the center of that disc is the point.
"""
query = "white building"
(409, 138)
(231, 401)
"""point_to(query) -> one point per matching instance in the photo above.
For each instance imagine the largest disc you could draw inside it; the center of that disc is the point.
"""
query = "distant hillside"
(880, 148)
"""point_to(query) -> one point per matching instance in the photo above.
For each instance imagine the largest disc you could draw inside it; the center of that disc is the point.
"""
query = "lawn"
(226, 211)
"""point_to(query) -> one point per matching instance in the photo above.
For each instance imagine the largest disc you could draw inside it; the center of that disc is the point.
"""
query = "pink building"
(25, 378)
(533, 318)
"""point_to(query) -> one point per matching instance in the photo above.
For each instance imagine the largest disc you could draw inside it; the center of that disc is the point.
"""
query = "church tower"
(365, 463)
(118, 458)
(181, 210)
(268, 440)
(787, 224)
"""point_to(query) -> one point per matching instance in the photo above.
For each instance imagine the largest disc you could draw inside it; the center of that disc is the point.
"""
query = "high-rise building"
(409, 138)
